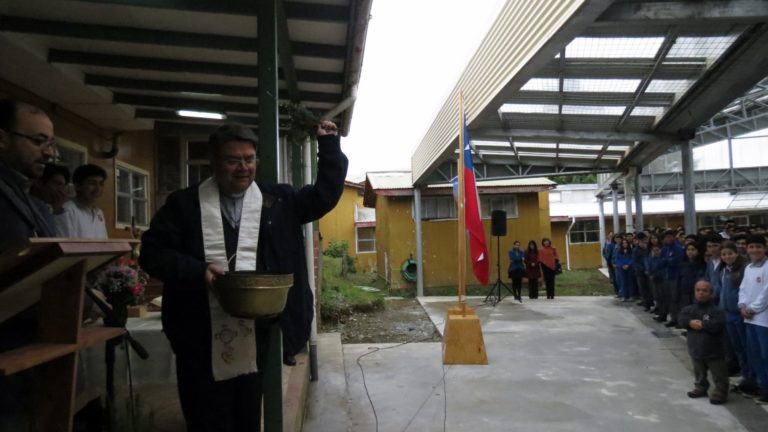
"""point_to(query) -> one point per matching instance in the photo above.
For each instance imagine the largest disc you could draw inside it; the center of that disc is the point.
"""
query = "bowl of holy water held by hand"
(251, 294)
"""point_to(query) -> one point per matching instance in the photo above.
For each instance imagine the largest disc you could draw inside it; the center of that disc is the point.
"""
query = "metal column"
(628, 220)
(615, 197)
(419, 248)
(689, 193)
(639, 223)
(272, 379)
(601, 224)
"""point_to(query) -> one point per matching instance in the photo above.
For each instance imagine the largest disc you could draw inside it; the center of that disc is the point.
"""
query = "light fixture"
(201, 114)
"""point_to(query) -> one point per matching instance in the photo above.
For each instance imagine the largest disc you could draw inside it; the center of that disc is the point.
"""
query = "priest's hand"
(211, 272)
(327, 128)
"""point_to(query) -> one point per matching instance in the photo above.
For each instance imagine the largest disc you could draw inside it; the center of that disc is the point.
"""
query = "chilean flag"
(474, 225)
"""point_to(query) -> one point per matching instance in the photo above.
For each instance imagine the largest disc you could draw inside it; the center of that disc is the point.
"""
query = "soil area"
(401, 320)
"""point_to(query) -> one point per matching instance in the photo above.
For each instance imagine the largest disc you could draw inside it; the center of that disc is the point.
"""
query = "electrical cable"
(368, 394)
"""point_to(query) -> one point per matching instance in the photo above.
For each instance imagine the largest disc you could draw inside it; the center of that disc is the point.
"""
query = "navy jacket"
(706, 343)
(690, 273)
(671, 258)
(729, 280)
(639, 256)
(172, 251)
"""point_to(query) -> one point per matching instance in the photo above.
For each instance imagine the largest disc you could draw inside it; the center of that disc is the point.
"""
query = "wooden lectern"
(50, 273)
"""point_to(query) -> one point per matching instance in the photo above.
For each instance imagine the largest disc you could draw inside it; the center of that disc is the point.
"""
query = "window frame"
(358, 240)
(132, 169)
(583, 231)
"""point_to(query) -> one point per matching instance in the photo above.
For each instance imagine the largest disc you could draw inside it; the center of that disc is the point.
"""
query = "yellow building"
(353, 223)
(525, 201)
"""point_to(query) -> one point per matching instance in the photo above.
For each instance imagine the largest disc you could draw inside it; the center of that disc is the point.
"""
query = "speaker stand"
(494, 294)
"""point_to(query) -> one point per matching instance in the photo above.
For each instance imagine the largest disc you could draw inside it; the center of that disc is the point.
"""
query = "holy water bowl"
(253, 295)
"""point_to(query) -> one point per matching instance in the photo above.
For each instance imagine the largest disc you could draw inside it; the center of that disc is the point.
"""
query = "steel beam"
(674, 12)
(295, 10)
(615, 200)
(593, 98)
(16, 24)
(569, 136)
(631, 68)
(186, 66)
(689, 193)
(285, 53)
(639, 220)
(194, 87)
(629, 222)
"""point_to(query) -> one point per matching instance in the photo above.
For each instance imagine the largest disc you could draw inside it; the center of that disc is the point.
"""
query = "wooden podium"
(51, 274)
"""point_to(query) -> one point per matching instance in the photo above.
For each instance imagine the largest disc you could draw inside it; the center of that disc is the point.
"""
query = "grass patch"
(341, 296)
(570, 283)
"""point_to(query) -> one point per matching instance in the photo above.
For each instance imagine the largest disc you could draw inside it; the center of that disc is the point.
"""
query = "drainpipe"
(568, 244)
(309, 251)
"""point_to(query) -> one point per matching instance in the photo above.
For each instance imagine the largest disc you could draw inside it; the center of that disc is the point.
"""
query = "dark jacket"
(173, 251)
(729, 279)
(532, 266)
(671, 258)
(639, 258)
(690, 273)
(21, 215)
(708, 342)
(516, 265)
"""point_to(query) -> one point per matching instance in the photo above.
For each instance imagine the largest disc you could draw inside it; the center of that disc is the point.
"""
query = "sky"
(415, 53)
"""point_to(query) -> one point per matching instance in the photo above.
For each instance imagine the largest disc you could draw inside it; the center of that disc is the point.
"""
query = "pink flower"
(136, 289)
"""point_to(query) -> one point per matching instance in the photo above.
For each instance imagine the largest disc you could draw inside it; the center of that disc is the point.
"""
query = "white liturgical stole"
(233, 340)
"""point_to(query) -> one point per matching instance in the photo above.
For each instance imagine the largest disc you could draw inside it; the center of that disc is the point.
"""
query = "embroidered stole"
(233, 340)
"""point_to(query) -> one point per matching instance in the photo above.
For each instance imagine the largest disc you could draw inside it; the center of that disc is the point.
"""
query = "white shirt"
(78, 221)
(753, 292)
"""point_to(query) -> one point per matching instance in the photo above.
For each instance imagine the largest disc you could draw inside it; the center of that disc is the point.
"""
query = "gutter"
(360, 14)
(568, 244)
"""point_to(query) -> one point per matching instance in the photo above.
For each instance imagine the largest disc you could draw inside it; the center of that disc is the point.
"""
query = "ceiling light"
(201, 114)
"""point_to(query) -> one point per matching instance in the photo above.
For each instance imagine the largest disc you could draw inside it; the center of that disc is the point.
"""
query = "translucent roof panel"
(597, 147)
(669, 86)
(710, 47)
(536, 145)
(601, 85)
(529, 109)
(542, 84)
(648, 111)
(593, 110)
(596, 47)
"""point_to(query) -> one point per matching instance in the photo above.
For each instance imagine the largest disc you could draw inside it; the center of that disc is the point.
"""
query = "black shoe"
(693, 394)
(670, 324)
(289, 360)
(717, 400)
(659, 318)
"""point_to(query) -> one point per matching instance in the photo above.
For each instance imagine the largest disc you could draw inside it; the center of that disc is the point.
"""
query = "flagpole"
(462, 242)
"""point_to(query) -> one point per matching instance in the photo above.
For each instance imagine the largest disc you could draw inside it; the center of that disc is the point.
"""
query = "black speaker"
(499, 223)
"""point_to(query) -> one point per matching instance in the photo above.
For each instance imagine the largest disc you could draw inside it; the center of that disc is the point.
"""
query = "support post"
(272, 380)
(615, 198)
(689, 192)
(419, 248)
(309, 239)
(628, 217)
(732, 176)
(601, 226)
(639, 222)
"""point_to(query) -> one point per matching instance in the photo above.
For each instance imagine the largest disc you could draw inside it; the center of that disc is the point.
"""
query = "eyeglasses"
(233, 162)
(40, 141)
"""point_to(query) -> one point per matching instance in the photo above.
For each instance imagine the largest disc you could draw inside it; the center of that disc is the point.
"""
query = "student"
(639, 261)
(79, 217)
(532, 269)
(730, 272)
(516, 269)
(51, 188)
(705, 323)
(753, 304)
(692, 270)
(549, 263)
(669, 266)
(624, 272)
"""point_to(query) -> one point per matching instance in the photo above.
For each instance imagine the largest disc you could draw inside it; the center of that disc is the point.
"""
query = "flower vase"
(118, 317)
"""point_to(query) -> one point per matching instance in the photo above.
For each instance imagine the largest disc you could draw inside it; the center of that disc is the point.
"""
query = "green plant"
(343, 295)
(302, 122)
(340, 249)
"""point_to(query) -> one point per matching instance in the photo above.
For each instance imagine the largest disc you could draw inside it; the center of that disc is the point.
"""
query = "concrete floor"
(570, 364)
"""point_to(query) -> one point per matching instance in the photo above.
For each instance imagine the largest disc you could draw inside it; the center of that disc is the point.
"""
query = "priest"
(230, 222)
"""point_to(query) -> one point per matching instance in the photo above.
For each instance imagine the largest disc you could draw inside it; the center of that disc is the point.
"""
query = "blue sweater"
(729, 280)
(516, 260)
(690, 273)
(671, 259)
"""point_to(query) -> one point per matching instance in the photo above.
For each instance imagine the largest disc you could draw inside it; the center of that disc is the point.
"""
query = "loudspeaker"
(499, 223)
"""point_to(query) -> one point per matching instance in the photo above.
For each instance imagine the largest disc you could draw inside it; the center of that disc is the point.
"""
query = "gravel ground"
(401, 320)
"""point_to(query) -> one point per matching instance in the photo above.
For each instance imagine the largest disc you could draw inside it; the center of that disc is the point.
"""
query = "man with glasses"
(26, 145)
(230, 222)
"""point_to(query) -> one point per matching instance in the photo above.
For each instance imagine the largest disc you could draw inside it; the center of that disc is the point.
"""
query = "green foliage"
(339, 249)
(570, 283)
(576, 179)
(302, 122)
(340, 296)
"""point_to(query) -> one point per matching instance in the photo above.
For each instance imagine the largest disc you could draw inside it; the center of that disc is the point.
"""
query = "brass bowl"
(253, 295)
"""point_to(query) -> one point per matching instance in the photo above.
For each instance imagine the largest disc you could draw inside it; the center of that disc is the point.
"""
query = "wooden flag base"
(463, 338)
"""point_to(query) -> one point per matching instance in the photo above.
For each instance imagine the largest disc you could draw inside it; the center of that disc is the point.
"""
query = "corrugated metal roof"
(522, 182)
(390, 180)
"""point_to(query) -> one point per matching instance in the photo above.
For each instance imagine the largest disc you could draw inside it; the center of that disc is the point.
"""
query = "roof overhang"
(595, 86)
(132, 64)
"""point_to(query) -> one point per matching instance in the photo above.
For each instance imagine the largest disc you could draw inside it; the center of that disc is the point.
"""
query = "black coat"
(172, 251)
(21, 216)
(706, 343)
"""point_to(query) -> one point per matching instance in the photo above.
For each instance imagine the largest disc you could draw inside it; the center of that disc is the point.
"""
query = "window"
(132, 195)
(585, 232)
(198, 166)
(442, 207)
(366, 239)
(555, 197)
(489, 203)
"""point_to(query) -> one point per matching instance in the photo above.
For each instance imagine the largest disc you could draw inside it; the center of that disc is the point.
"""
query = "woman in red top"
(549, 260)
(532, 271)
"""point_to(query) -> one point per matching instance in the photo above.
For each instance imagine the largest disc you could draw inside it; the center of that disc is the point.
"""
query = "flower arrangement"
(123, 286)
